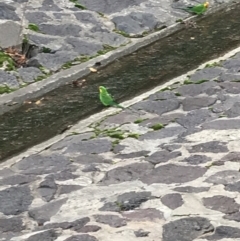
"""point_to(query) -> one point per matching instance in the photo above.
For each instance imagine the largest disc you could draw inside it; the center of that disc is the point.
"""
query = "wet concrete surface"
(132, 75)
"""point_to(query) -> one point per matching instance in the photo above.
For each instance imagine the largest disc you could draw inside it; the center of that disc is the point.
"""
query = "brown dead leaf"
(76, 83)
(19, 58)
(38, 102)
(93, 70)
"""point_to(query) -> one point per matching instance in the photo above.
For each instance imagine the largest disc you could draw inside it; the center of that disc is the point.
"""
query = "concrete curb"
(15, 99)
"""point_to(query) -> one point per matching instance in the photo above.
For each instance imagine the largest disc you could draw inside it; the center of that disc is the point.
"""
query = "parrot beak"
(206, 4)
(100, 90)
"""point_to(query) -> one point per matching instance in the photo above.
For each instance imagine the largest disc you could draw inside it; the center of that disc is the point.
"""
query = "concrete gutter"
(83, 125)
(15, 99)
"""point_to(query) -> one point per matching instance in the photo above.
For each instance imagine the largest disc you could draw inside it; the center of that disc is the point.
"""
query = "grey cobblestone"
(178, 182)
(66, 31)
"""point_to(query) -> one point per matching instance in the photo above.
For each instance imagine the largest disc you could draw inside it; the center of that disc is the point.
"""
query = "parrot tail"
(187, 9)
(129, 108)
(119, 106)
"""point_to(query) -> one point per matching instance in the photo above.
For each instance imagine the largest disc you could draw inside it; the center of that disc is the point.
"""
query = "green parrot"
(197, 9)
(107, 99)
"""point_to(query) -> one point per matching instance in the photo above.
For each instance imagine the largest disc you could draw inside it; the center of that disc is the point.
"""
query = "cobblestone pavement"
(165, 170)
(63, 33)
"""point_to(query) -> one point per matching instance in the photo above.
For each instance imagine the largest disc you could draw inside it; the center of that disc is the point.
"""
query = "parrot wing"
(114, 103)
(109, 97)
(197, 9)
(107, 100)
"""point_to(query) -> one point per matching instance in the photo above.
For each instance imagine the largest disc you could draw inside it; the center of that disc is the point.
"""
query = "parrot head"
(102, 89)
(206, 4)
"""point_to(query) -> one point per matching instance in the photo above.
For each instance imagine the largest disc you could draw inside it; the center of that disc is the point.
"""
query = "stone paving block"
(10, 33)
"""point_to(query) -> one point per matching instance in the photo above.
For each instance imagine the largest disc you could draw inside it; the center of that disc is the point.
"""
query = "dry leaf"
(27, 102)
(93, 70)
(16, 55)
(38, 102)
